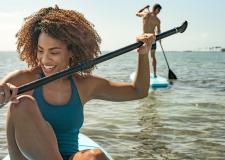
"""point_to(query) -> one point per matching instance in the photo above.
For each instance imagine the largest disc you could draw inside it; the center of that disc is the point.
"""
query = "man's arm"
(144, 8)
(158, 28)
(140, 13)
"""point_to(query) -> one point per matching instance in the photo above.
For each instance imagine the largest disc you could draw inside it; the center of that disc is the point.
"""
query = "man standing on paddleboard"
(151, 24)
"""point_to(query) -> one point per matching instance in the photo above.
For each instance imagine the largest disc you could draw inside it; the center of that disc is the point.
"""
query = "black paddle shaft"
(90, 63)
(165, 56)
(143, 8)
(171, 74)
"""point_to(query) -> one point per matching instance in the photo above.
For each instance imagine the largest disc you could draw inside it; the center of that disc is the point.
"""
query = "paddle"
(171, 75)
(90, 63)
(144, 8)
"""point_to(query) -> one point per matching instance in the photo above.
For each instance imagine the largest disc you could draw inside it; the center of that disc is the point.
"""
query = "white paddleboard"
(84, 143)
(155, 82)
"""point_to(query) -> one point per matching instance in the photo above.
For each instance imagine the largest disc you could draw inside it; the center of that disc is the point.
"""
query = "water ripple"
(186, 121)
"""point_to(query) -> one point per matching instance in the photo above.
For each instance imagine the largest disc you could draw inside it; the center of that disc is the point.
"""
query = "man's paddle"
(144, 8)
(89, 63)
(171, 75)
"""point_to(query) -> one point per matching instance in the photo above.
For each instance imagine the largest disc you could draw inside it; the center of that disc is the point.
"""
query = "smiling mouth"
(48, 69)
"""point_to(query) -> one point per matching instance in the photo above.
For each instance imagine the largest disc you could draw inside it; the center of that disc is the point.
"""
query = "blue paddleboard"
(155, 82)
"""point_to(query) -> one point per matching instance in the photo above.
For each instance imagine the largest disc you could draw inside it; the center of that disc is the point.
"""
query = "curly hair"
(68, 26)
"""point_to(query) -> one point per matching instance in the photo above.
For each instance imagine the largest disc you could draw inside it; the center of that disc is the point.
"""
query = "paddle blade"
(171, 75)
(183, 27)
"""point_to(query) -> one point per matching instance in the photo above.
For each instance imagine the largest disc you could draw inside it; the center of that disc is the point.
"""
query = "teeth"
(49, 67)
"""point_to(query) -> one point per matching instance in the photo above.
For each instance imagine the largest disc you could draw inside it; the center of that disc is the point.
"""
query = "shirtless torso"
(150, 22)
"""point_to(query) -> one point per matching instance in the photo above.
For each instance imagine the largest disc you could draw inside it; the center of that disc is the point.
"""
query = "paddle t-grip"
(147, 6)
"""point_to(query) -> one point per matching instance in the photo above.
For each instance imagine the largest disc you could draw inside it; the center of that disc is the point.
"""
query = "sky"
(117, 25)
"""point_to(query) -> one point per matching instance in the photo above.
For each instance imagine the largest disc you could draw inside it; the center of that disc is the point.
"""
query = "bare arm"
(9, 85)
(158, 28)
(120, 91)
(141, 14)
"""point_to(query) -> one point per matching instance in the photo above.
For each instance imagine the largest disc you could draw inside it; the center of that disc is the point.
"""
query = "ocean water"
(186, 121)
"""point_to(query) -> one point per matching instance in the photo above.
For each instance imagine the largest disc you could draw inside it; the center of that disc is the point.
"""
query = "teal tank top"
(66, 119)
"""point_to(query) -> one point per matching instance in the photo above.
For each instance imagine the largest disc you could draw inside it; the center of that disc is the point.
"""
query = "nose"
(44, 58)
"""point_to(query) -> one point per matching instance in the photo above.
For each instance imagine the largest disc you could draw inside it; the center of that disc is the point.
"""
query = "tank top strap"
(74, 89)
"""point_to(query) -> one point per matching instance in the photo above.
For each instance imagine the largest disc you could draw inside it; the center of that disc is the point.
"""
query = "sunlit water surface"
(186, 121)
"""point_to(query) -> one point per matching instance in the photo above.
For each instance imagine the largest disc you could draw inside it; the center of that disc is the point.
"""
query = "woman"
(44, 123)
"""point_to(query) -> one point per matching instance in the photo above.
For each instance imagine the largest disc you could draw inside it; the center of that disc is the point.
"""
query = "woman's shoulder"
(19, 77)
(87, 78)
(89, 85)
(89, 81)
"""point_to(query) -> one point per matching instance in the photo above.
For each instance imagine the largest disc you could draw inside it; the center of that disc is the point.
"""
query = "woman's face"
(52, 54)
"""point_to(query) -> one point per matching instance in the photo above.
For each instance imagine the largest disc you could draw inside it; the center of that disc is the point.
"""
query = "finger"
(146, 37)
(13, 93)
(15, 100)
(14, 90)
(140, 37)
(7, 93)
(2, 95)
(151, 40)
